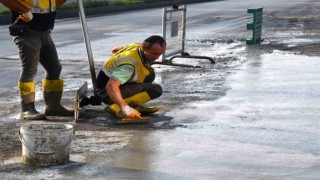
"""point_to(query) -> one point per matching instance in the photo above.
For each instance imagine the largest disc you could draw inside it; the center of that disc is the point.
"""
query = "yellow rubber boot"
(146, 110)
(27, 94)
(52, 93)
(136, 102)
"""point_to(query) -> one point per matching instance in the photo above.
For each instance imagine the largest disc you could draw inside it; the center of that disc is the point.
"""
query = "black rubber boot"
(28, 110)
(53, 106)
(27, 95)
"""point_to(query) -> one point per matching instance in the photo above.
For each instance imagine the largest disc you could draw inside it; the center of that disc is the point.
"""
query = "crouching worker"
(125, 80)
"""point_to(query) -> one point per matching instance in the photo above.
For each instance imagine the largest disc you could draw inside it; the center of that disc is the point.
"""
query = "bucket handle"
(37, 152)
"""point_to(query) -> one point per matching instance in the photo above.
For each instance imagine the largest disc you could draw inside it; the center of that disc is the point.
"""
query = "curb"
(69, 13)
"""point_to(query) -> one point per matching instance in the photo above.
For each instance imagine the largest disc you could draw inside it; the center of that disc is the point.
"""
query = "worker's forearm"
(115, 95)
(14, 5)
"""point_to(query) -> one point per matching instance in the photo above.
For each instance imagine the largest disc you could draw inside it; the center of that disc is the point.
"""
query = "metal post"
(184, 14)
(164, 29)
(87, 41)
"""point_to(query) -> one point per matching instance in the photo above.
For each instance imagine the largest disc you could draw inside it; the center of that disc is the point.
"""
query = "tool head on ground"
(134, 120)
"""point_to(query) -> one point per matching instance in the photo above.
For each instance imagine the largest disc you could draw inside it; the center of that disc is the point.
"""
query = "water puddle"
(298, 42)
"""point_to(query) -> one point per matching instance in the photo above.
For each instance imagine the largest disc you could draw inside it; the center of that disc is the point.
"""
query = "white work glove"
(26, 17)
(130, 112)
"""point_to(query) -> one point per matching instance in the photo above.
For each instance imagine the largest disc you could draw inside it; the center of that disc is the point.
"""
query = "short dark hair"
(147, 43)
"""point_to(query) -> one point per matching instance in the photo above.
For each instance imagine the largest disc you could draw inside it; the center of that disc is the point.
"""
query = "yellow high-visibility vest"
(128, 55)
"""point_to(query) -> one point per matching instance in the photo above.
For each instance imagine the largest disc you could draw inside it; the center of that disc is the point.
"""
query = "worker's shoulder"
(134, 44)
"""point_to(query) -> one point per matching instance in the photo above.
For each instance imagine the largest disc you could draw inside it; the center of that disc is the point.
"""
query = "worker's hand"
(26, 17)
(130, 112)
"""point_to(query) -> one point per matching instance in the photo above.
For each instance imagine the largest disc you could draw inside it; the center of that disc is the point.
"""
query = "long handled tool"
(87, 41)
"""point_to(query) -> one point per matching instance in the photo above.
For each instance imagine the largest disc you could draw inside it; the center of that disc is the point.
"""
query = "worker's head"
(153, 47)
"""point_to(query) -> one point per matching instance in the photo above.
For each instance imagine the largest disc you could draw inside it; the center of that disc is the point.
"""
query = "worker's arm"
(60, 3)
(26, 14)
(15, 5)
(116, 49)
(114, 93)
(120, 75)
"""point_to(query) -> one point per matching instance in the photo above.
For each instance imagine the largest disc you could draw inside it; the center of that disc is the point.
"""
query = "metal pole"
(164, 29)
(87, 41)
(184, 19)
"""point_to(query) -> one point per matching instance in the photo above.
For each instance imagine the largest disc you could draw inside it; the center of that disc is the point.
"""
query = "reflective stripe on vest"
(40, 6)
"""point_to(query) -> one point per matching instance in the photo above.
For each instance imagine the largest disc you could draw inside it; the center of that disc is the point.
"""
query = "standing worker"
(125, 80)
(32, 22)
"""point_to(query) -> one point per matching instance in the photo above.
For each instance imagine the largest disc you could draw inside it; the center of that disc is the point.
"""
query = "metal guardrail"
(174, 32)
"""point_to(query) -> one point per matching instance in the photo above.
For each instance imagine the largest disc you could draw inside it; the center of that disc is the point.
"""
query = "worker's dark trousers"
(130, 89)
(34, 47)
